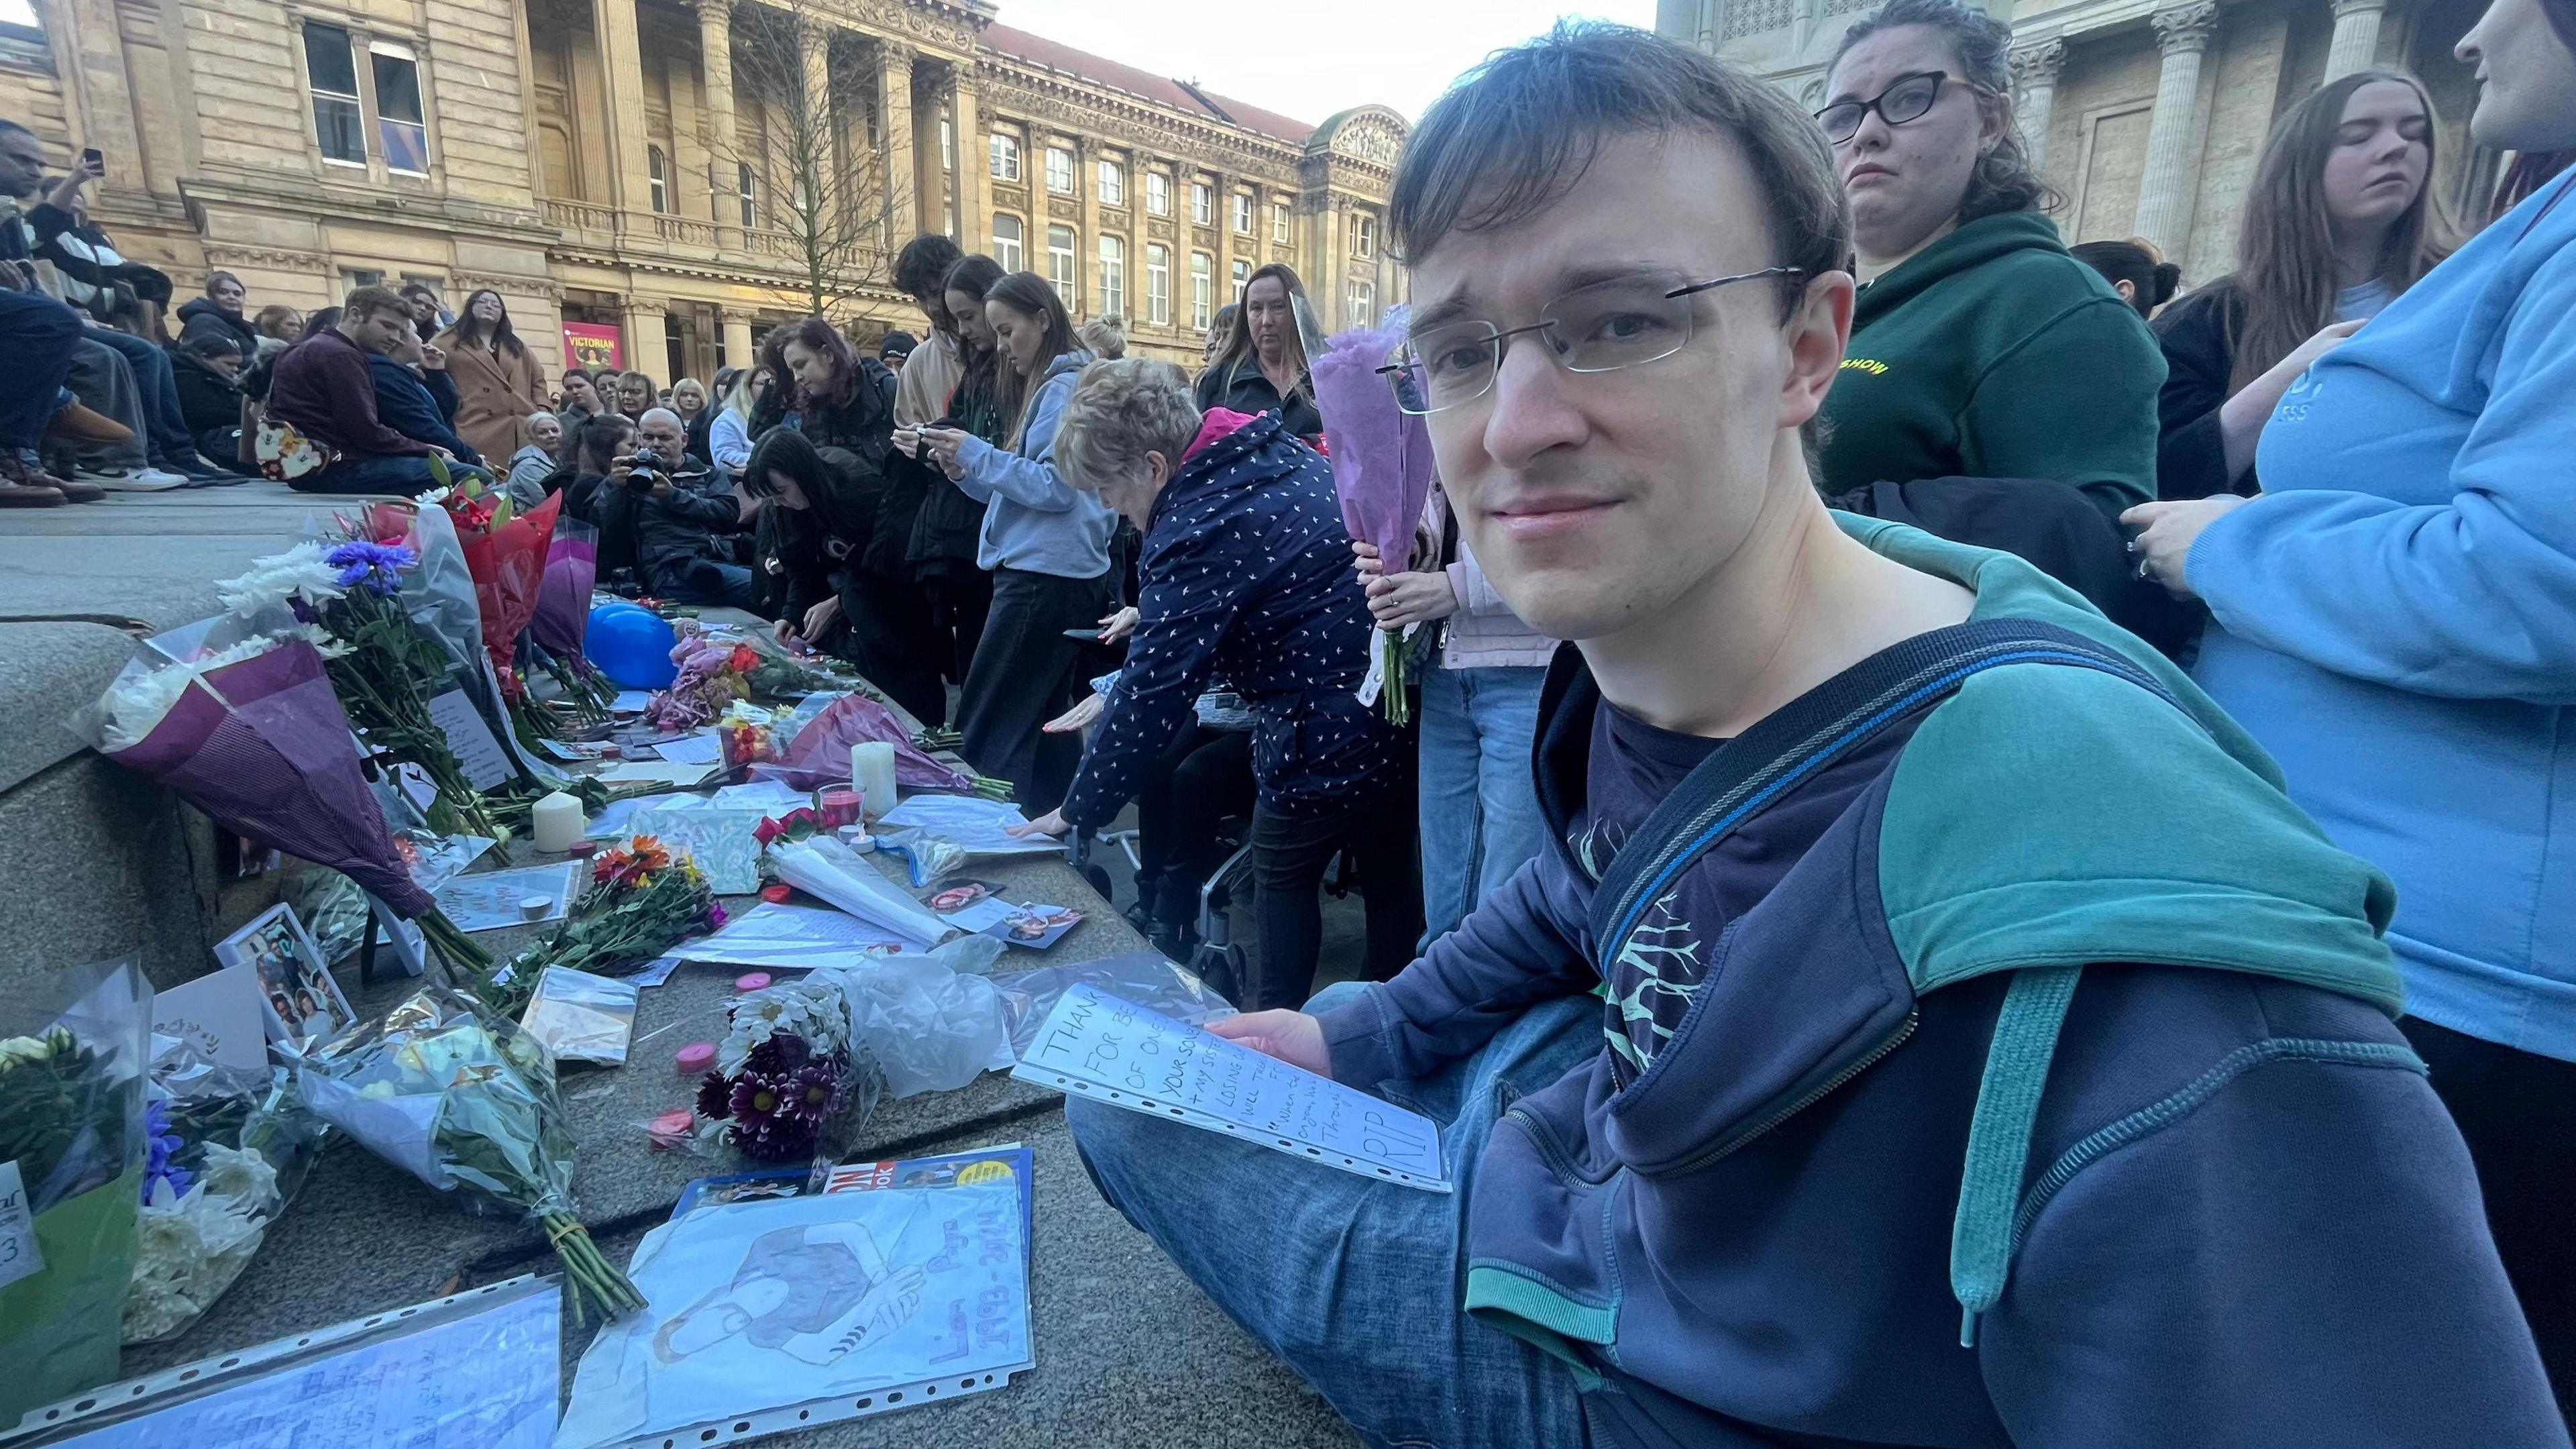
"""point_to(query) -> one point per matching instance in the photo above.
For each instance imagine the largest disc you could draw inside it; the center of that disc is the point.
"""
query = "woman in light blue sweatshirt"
(1046, 543)
(2395, 619)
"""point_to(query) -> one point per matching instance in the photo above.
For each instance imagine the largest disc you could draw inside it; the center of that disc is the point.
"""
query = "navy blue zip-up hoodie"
(2243, 1217)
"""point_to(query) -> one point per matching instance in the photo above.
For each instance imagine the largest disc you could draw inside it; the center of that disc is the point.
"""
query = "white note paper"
(19, 1257)
(1116, 1052)
(217, 1013)
(699, 749)
(477, 753)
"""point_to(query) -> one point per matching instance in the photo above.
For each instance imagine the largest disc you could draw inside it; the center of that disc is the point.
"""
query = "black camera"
(648, 471)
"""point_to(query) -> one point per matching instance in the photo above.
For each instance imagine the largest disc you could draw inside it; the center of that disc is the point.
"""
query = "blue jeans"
(36, 335)
(404, 473)
(1356, 1282)
(1480, 819)
(165, 427)
(706, 582)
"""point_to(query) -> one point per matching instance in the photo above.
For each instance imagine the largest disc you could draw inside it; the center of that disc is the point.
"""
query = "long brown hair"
(2285, 257)
(1239, 350)
(468, 328)
(1030, 295)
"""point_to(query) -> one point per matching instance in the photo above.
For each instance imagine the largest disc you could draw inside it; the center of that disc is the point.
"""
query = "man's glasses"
(1602, 327)
(1909, 98)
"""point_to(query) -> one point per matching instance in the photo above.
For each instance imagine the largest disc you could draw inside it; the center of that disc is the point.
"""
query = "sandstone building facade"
(2149, 115)
(613, 162)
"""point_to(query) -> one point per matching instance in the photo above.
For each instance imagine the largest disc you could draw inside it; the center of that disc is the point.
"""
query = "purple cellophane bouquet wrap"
(820, 753)
(240, 721)
(1382, 467)
(563, 599)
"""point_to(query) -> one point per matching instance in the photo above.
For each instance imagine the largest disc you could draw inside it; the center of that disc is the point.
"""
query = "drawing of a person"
(818, 1293)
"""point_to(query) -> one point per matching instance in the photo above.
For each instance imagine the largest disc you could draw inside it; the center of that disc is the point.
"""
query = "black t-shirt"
(1634, 765)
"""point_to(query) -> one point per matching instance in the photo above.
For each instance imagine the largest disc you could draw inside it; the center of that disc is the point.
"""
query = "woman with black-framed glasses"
(1979, 348)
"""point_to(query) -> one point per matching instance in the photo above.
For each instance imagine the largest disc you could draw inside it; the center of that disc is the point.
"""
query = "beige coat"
(495, 392)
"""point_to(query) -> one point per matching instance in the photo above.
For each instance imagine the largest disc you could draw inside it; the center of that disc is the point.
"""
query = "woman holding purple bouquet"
(1245, 573)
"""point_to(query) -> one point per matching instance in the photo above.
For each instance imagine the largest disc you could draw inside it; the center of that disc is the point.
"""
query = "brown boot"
(19, 488)
(78, 424)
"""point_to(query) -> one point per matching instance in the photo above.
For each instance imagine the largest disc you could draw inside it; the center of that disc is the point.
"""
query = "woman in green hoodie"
(1979, 347)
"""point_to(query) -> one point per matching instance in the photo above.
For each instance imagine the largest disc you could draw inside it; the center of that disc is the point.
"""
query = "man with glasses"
(1931, 1024)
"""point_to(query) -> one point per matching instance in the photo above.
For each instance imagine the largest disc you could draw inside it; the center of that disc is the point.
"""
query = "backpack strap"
(1766, 763)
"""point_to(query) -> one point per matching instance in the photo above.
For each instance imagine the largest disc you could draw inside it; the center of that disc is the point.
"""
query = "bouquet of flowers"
(226, 1149)
(790, 1085)
(465, 1102)
(71, 1158)
(820, 753)
(561, 623)
(239, 717)
(506, 551)
(641, 902)
(1382, 468)
(714, 674)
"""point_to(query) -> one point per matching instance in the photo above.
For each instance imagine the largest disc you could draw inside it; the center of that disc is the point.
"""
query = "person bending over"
(1929, 1023)
(1246, 574)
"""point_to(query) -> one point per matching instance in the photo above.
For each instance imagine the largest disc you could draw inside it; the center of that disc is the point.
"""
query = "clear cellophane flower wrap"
(466, 1102)
(237, 716)
(72, 1125)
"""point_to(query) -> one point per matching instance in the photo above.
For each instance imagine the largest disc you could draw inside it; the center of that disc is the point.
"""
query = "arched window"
(658, 168)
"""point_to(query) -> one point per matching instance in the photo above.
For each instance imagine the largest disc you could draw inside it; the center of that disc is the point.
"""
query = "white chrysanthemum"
(301, 570)
(136, 703)
(435, 496)
(188, 1252)
(244, 1180)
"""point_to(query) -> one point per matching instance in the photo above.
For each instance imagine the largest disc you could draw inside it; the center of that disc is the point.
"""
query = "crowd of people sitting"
(2329, 491)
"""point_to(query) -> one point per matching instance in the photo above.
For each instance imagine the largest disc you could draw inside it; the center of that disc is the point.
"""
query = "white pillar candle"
(872, 770)
(556, 822)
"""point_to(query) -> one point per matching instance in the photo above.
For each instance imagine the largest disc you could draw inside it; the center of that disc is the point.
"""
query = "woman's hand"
(1364, 557)
(1076, 717)
(2167, 532)
(1051, 823)
(939, 447)
(819, 618)
(2241, 418)
(1291, 1036)
(1398, 600)
(1119, 625)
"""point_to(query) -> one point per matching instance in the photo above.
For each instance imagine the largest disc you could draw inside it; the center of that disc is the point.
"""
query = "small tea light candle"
(696, 1058)
(534, 908)
(872, 770)
(555, 823)
(751, 982)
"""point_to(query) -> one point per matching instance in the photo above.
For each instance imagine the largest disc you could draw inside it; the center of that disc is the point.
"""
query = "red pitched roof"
(1038, 50)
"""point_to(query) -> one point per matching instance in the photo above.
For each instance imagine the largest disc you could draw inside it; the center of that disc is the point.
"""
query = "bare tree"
(821, 162)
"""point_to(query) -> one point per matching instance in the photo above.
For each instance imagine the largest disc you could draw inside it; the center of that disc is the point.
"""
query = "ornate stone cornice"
(1008, 85)
(2343, 8)
(2037, 63)
(2186, 27)
(274, 258)
(522, 286)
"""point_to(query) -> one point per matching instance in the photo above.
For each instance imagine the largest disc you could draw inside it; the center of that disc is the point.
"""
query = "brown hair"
(1518, 132)
(2285, 259)
(365, 302)
(1239, 351)
(2136, 262)
(1032, 295)
(2004, 179)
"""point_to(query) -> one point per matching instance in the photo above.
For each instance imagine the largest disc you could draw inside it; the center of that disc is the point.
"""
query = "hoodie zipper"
(1802, 1102)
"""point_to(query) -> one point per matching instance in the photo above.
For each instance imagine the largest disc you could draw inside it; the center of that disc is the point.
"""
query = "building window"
(1202, 203)
(1158, 193)
(1007, 237)
(947, 144)
(1060, 170)
(402, 130)
(1060, 269)
(1113, 277)
(1006, 157)
(1279, 222)
(1363, 236)
(1158, 284)
(1359, 304)
(1113, 184)
(352, 278)
(1242, 277)
(1242, 214)
(1202, 291)
(745, 190)
(657, 170)
(331, 69)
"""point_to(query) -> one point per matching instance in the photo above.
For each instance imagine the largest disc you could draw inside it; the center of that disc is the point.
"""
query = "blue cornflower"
(161, 1143)
(374, 566)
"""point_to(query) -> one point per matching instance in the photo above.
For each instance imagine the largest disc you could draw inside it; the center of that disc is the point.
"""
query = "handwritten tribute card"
(1116, 1052)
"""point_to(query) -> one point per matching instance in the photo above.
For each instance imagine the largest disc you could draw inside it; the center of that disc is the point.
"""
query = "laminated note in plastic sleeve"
(578, 1017)
(72, 1153)
(1145, 978)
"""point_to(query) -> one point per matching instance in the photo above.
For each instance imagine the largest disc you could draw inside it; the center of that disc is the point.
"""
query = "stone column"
(737, 340)
(1086, 245)
(724, 141)
(902, 210)
(647, 337)
(621, 68)
(2356, 36)
(814, 51)
(929, 183)
(1222, 188)
(2034, 73)
(2165, 190)
(974, 205)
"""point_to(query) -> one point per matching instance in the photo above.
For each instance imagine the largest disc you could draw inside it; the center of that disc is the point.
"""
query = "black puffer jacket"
(945, 529)
(863, 429)
(200, 316)
(207, 399)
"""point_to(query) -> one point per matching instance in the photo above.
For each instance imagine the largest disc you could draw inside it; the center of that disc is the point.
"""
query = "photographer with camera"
(669, 518)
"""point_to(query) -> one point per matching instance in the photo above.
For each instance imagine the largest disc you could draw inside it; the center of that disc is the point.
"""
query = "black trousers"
(1024, 675)
(1379, 825)
(1203, 778)
(891, 639)
(2518, 1111)
(961, 595)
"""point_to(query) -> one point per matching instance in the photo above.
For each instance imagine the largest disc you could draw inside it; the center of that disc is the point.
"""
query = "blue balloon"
(632, 646)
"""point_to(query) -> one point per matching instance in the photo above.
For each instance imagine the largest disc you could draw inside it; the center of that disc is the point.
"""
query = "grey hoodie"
(1033, 519)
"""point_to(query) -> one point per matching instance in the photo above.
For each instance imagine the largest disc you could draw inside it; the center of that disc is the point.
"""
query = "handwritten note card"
(19, 1257)
(1116, 1052)
(477, 753)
